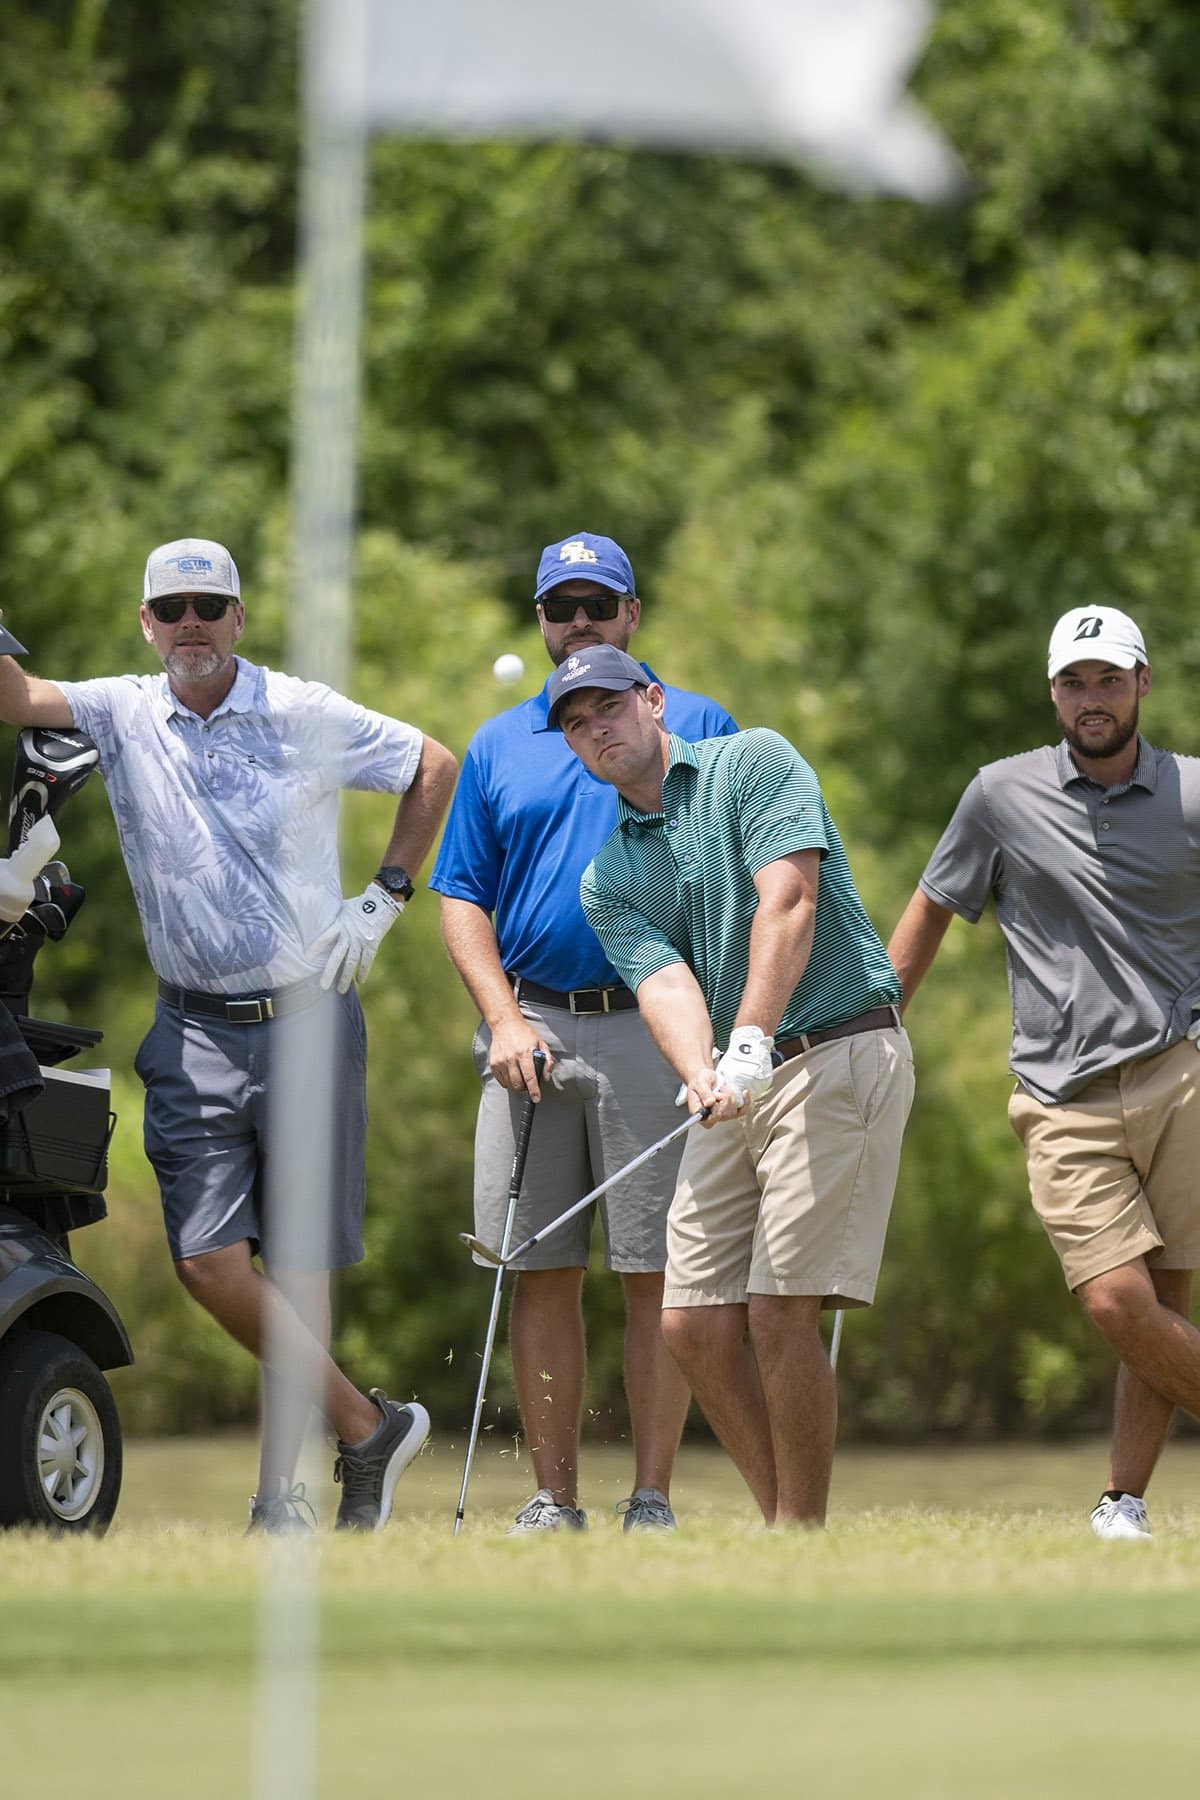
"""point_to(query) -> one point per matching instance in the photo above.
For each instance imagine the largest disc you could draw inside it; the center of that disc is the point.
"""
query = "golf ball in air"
(508, 667)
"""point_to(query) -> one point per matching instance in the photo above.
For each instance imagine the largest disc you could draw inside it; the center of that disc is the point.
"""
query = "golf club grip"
(525, 1127)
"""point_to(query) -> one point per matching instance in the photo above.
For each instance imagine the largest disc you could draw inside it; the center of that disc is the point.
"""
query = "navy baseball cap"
(599, 666)
(585, 557)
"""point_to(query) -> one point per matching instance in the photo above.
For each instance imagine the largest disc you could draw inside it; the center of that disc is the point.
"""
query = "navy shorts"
(207, 1130)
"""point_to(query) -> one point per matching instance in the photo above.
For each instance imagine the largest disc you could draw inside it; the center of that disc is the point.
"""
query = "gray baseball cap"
(191, 566)
(597, 666)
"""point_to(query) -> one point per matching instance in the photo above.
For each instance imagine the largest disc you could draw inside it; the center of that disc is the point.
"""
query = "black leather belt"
(880, 1018)
(241, 1009)
(580, 1001)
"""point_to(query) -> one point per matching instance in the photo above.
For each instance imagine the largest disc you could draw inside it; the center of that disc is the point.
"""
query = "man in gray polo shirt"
(1088, 849)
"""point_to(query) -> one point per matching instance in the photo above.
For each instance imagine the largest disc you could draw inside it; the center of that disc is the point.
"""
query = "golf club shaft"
(524, 1129)
(835, 1342)
(685, 1125)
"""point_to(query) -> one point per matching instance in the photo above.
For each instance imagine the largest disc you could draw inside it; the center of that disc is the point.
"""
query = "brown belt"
(880, 1018)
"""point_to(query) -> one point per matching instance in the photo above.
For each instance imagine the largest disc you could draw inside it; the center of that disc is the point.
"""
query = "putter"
(524, 1128)
(503, 1257)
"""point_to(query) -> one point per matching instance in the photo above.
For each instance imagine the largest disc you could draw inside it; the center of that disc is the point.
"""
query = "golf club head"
(481, 1249)
(48, 767)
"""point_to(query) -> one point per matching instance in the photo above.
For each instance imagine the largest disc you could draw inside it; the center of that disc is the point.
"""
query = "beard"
(587, 639)
(1119, 735)
(187, 666)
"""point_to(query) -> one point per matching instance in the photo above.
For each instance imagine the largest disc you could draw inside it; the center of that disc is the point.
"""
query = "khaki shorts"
(1114, 1172)
(794, 1196)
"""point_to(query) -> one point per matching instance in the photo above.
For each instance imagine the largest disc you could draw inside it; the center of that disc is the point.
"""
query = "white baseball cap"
(1095, 634)
(191, 566)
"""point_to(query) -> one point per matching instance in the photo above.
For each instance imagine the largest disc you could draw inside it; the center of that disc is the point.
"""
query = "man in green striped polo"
(724, 899)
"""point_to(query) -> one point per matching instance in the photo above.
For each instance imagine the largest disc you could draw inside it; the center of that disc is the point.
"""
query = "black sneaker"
(369, 1471)
(281, 1514)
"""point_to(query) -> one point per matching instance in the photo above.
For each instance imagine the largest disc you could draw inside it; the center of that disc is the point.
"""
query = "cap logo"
(1089, 627)
(577, 552)
(191, 565)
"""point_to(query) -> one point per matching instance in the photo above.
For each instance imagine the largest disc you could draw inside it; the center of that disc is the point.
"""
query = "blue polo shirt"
(526, 821)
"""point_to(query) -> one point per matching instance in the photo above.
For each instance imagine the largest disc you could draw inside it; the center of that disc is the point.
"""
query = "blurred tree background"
(861, 454)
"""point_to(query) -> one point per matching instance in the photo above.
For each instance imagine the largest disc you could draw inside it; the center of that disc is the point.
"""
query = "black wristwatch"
(395, 880)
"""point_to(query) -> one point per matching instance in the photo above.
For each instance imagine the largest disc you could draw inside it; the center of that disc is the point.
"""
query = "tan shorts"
(1114, 1172)
(794, 1196)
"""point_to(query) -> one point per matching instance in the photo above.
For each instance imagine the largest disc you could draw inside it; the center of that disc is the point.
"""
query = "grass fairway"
(956, 1633)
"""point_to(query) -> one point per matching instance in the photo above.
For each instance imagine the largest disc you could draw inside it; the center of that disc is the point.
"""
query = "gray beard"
(189, 670)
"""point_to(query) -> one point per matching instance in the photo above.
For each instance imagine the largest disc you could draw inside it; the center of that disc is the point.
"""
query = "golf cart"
(60, 1436)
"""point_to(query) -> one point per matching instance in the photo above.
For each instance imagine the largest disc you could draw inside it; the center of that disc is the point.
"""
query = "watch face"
(396, 881)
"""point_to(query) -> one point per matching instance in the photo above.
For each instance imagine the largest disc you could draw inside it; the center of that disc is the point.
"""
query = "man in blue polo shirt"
(526, 820)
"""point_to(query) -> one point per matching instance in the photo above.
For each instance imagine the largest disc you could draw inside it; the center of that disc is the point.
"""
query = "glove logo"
(368, 906)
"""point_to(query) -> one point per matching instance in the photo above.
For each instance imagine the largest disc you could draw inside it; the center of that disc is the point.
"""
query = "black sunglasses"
(560, 609)
(209, 607)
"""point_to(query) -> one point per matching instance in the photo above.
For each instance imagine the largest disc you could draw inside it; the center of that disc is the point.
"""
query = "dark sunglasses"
(209, 607)
(561, 609)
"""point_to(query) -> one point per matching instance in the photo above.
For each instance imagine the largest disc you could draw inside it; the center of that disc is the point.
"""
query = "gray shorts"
(610, 1094)
(207, 1123)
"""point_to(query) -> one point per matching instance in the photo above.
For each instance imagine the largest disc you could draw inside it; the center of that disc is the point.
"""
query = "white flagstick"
(301, 1126)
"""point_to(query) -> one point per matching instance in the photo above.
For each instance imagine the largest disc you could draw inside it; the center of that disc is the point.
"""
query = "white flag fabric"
(821, 81)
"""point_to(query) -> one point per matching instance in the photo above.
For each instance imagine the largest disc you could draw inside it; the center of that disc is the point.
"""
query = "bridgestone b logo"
(1089, 627)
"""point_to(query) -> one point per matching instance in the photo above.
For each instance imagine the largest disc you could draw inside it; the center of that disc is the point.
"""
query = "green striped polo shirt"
(678, 886)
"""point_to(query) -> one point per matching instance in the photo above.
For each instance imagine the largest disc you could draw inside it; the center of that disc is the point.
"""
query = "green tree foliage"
(862, 455)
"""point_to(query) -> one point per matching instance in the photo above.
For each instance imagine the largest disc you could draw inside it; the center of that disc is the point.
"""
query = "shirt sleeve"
(780, 809)
(103, 708)
(470, 860)
(966, 866)
(635, 947)
(371, 752)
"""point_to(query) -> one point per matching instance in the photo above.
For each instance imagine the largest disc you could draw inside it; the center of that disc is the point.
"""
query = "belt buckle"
(249, 1012)
(587, 1012)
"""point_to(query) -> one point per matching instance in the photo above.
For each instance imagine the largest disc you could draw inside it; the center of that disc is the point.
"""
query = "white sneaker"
(1124, 1517)
(647, 1509)
(543, 1513)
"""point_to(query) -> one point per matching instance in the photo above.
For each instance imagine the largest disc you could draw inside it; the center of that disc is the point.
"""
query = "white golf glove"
(17, 871)
(746, 1068)
(350, 943)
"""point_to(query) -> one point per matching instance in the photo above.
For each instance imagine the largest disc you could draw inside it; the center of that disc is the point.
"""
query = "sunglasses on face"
(560, 609)
(209, 607)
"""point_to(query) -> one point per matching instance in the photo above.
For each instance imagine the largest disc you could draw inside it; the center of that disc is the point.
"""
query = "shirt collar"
(539, 706)
(1145, 773)
(681, 755)
(243, 696)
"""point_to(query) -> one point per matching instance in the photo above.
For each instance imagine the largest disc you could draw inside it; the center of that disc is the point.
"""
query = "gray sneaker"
(369, 1471)
(282, 1514)
(647, 1510)
(543, 1513)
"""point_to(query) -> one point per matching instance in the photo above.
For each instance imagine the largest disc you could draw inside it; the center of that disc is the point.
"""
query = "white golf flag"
(818, 80)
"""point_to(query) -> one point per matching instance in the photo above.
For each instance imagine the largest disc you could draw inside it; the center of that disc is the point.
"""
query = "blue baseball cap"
(597, 666)
(585, 557)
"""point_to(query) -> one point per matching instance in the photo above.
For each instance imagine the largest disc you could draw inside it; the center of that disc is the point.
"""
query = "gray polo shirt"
(1097, 891)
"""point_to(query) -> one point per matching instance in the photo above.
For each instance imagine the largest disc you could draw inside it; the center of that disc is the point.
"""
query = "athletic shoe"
(542, 1513)
(1124, 1517)
(369, 1471)
(281, 1515)
(647, 1510)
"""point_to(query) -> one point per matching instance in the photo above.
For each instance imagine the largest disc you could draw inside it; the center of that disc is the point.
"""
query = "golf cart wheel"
(60, 1437)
